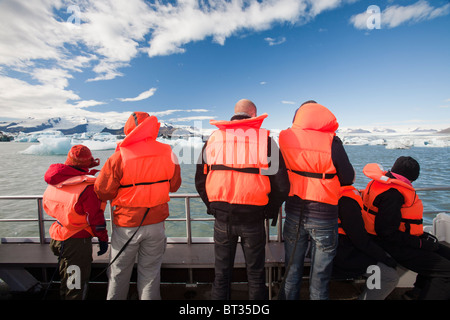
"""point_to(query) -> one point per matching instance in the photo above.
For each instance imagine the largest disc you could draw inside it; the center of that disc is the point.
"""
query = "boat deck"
(187, 273)
(187, 269)
(177, 255)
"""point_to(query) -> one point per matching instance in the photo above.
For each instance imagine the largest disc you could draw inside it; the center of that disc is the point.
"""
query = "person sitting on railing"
(394, 214)
(138, 178)
(70, 198)
(357, 254)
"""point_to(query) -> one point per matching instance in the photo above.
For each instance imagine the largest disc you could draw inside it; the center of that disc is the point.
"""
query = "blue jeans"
(323, 236)
(253, 242)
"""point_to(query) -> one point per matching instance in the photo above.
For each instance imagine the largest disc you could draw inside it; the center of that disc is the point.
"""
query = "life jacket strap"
(369, 210)
(221, 167)
(314, 174)
(412, 221)
(142, 184)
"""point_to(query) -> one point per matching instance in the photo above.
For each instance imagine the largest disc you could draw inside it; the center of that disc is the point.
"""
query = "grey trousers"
(148, 247)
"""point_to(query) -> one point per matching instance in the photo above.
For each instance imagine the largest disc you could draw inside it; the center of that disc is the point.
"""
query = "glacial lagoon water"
(23, 164)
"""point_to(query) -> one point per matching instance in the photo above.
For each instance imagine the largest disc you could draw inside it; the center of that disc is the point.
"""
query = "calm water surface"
(22, 174)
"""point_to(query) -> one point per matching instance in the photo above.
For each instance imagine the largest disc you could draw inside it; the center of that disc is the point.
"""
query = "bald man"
(245, 107)
(241, 194)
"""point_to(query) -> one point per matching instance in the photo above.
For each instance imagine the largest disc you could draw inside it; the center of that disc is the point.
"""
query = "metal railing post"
(187, 205)
(187, 197)
(41, 221)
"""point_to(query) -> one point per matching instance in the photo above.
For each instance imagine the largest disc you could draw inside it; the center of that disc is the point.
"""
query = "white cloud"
(288, 102)
(172, 111)
(52, 77)
(111, 33)
(193, 118)
(144, 95)
(197, 110)
(190, 20)
(29, 31)
(19, 99)
(40, 40)
(395, 15)
(275, 42)
(88, 103)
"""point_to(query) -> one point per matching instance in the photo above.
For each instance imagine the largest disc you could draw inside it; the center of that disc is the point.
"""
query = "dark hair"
(306, 102)
(309, 101)
(407, 167)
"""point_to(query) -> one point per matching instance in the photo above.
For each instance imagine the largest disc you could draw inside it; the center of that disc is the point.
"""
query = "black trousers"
(433, 268)
(253, 242)
(75, 264)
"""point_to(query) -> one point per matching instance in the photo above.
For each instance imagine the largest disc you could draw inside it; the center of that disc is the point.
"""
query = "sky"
(372, 63)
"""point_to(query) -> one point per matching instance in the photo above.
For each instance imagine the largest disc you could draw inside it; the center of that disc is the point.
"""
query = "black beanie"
(407, 167)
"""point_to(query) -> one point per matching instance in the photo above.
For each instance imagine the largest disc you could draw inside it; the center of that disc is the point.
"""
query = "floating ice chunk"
(97, 145)
(50, 146)
(399, 144)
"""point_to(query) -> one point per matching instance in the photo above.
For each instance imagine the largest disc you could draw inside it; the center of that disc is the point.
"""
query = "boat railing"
(188, 218)
(273, 234)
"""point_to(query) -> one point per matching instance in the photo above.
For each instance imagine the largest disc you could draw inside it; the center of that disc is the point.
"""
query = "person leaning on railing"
(393, 214)
(242, 180)
(138, 178)
(71, 200)
(318, 166)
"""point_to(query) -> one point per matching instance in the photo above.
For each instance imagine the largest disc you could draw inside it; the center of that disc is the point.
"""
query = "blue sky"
(187, 62)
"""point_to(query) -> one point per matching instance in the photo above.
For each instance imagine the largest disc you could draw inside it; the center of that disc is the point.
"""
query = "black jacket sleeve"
(344, 168)
(388, 218)
(200, 179)
(353, 225)
(279, 181)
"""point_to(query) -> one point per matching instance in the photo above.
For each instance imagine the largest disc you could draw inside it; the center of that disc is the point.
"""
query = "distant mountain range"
(69, 126)
(387, 130)
(75, 126)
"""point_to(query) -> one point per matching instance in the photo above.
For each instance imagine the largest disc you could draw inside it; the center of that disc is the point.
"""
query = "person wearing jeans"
(323, 234)
(317, 166)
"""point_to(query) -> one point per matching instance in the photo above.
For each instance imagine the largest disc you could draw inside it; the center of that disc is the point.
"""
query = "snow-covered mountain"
(89, 130)
(69, 125)
(74, 125)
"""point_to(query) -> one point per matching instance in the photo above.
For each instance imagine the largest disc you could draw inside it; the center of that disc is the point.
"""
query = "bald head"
(245, 106)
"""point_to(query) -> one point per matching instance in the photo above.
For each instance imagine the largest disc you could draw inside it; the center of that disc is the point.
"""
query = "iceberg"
(97, 145)
(56, 143)
(395, 140)
(50, 146)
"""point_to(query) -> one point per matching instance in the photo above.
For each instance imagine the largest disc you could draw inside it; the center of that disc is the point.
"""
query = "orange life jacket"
(306, 148)
(353, 193)
(147, 169)
(235, 155)
(59, 202)
(411, 211)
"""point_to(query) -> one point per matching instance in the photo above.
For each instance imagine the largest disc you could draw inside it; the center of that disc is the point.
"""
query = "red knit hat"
(81, 156)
